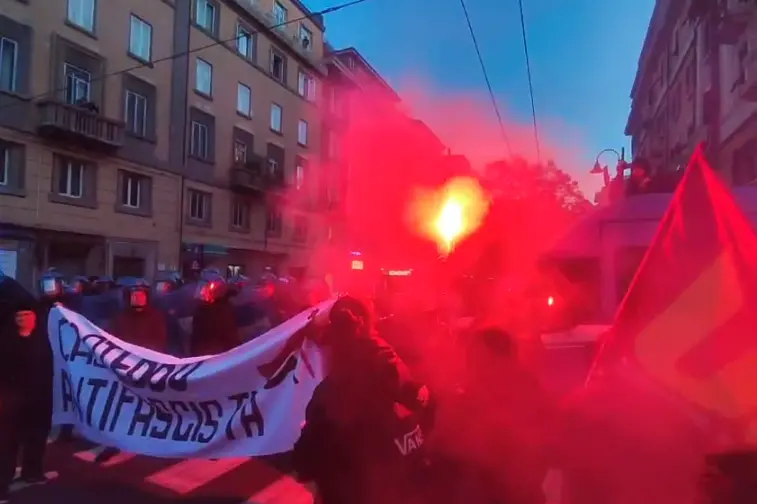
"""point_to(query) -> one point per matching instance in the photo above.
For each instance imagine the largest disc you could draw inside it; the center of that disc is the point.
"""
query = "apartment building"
(353, 88)
(253, 135)
(86, 183)
(144, 135)
(696, 81)
(357, 100)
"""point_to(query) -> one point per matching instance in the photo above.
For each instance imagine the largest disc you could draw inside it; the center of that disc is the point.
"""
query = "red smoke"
(385, 157)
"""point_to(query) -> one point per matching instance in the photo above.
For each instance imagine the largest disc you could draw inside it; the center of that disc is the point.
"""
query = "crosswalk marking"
(91, 454)
(285, 490)
(189, 475)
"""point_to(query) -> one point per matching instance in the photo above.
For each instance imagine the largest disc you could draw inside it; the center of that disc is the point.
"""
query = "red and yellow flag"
(689, 319)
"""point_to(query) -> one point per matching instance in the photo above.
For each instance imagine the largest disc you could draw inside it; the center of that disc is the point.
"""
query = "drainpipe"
(716, 85)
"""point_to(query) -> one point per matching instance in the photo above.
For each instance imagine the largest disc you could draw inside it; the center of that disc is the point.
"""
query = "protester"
(139, 323)
(214, 325)
(363, 438)
(496, 433)
(626, 441)
(26, 376)
(51, 292)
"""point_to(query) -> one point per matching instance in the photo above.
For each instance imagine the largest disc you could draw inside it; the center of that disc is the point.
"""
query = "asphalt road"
(75, 477)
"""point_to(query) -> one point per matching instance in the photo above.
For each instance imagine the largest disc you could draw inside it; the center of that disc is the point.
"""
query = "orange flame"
(450, 214)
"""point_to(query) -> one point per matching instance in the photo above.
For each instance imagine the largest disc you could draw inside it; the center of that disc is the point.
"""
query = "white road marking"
(189, 475)
(285, 490)
(91, 456)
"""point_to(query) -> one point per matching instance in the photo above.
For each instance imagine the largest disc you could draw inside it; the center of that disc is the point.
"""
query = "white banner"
(248, 401)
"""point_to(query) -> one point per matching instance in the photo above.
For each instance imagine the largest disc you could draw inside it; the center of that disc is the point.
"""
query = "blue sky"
(583, 55)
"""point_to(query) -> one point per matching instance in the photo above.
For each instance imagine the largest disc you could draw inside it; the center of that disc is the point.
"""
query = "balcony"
(76, 124)
(249, 177)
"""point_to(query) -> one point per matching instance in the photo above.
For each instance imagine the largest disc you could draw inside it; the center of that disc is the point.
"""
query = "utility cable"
(530, 81)
(486, 78)
(174, 56)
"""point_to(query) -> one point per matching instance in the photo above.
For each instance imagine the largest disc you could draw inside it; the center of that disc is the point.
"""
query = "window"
(71, 179)
(240, 152)
(140, 39)
(135, 111)
(78, 84)
(245, 43)
(200, 146)
(205, 15)
(131, 190)
(199, 205)
(299, 176)
(306, 38)
(278, 66)
(8, 64)
(306, 86)
(273, 168)
(240, 214)
(244, 100)
(274, 222)
(5, 165)
(280, 13)
(204, 77)
(302, 132)
(276, 118)
(82, 14)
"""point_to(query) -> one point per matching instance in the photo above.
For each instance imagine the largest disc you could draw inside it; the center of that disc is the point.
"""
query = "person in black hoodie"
(139, 323)
(214, 325)
(363, 437)
(26, 381)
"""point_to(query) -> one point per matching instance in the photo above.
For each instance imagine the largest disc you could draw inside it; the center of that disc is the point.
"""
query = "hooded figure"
(26, 382)
(139, 323)
(214, 325)
(498, 430)
(363, 438)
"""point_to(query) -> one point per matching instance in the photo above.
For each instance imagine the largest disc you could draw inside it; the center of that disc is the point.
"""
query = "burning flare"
(451, 213)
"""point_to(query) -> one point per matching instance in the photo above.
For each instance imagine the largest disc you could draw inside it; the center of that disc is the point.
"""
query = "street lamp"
(620, 167)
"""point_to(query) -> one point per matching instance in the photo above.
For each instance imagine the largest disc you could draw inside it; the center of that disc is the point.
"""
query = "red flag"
(688, 320)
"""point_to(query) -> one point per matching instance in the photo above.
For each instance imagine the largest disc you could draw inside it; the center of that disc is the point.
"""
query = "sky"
(584, 55)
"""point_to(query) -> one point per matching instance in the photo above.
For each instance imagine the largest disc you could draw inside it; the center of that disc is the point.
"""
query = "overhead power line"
(181, 54)
(530, 81)
(486, 78)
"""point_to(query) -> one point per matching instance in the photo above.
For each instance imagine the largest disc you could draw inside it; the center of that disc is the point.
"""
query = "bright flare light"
(451, 213)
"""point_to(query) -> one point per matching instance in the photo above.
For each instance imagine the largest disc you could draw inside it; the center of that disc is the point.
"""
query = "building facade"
(144, 135)
(696, 81)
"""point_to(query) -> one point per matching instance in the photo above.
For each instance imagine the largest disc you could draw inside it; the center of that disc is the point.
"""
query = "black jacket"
(26, 363)
(214, 329)
(146, 328)
(360, 443)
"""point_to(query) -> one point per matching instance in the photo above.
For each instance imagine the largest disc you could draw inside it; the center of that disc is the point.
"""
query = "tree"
(532, 204)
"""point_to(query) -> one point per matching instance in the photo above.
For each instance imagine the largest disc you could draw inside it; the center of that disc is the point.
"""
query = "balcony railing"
(249, 176)
(76, 123)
